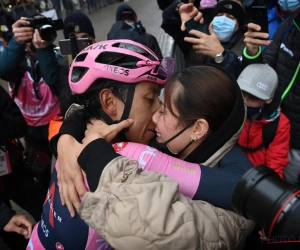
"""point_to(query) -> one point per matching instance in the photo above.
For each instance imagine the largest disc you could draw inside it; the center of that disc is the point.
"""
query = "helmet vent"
(117, 59)
(81, 57)
(78, 73)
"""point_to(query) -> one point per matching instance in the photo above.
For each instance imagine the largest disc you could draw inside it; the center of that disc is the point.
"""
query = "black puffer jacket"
(284, 56)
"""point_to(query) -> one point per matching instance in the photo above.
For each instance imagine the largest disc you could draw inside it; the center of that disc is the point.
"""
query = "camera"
(46, 26)
(272, 203)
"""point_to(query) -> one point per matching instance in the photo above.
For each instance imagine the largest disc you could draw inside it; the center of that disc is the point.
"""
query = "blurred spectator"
(223, 29)
(163, 4)
(278, 11)
(13, 227)
(82, 26)
(6, 22)
(126, 14)
(46, 5)
(283, 55)
(16, 183)
(122, 30)
(32, 70)
(266, 134)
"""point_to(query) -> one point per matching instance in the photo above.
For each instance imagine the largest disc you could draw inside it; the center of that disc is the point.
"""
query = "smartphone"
(65, 45)
(259, 16)
(193, 25)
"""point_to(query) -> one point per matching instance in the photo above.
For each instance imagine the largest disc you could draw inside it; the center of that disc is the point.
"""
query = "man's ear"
(108, 102)
(269, 101)
(200, 129)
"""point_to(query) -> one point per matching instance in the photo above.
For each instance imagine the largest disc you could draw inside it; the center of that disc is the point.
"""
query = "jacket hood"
(216, 145)
(122, 30)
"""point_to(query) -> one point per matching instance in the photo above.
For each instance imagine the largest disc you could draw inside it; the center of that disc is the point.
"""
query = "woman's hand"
(70, 178)
(98, 129)
(254, 39)
(22, 34)
(188, 11)
(208, 45)
(20, 225)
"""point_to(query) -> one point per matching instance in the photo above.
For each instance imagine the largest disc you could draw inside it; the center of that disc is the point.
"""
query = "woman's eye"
(160, 111)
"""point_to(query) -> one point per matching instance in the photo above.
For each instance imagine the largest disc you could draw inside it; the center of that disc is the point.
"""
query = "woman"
(147, 212)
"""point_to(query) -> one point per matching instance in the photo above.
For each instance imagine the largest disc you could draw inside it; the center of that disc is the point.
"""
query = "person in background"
(226, 21)
(6, 22)
(259, 83)
(283, 55)
(12, 223)
(278, 11)
(82, 26)
(126, 14)
(30, 65)
(16, 182)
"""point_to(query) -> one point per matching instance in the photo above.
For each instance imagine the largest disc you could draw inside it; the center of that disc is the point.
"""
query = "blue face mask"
(223, 27)
(289, 5)
(248, 3)
(253, 111)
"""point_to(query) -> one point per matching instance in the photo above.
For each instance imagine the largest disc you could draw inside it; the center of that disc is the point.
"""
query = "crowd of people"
(147, 156)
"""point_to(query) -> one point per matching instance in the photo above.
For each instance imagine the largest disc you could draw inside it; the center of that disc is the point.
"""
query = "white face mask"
(132, 25)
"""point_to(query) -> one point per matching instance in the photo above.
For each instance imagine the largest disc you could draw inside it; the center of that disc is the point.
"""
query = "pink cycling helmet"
(120, 60)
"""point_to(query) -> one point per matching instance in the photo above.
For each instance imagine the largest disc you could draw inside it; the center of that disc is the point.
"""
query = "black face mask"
(163, 147)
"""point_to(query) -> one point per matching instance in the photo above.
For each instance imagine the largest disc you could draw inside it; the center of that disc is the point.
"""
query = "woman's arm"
(218, 184)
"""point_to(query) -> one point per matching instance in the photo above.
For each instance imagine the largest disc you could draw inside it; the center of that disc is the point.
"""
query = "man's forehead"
(148, 87)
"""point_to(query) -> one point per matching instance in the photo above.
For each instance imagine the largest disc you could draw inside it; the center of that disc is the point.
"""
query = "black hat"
(81, 24)
(232, 8)
(124, 12)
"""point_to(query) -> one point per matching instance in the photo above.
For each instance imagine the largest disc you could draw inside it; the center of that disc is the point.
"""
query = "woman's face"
(168, 126)
(145, 104)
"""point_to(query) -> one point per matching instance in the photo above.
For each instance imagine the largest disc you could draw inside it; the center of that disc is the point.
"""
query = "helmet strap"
(126, 112)
(125, 115)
